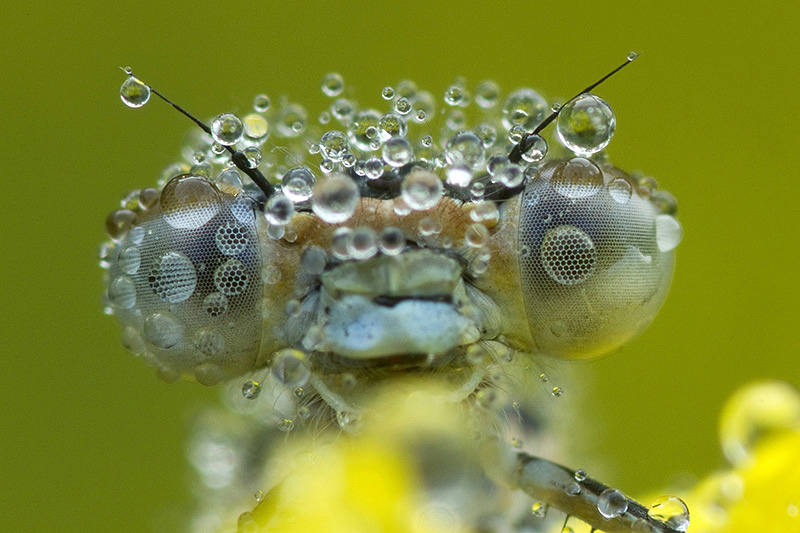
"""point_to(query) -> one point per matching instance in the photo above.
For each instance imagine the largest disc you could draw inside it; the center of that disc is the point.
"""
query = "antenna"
(237, 156)
(524, 145)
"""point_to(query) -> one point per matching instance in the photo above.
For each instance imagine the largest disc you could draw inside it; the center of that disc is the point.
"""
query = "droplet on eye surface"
(586, 124)
(334, 145)
(668, 232)
(173, 277)
(122, 292)
(189, 202)
(289, 367)
(577, 178)
(134, 92)
(163, 330)
(230, 277)
(568, 255)
(620, 190)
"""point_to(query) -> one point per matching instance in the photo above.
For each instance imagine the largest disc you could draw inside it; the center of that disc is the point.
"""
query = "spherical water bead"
(403, 106)
(485, 212)
(256, 127)
(292, 120)
(539, 509)
(173, 277)
(251, 390)
(340, 241)
(364, 122)
(464, 148)
(122, 292)
(536, 148)
(428, 226)
(620, 190)
(209, 374)
(253, 156)
(363, 243)
(671, 511)
(261, 103)
(289, 366)
(373, 168)
(148, 198)
(391, 241)
(754, 412)
(664, 202)
(134, 92)
(215, 304)
(341, 109)
(189, 202)
(391, 125)
(397, 152)
(231, 278)
(163, 330)
(476, 235)
(335, 198)
(586, 124)
(459, 175)
(229, 181)
(557, 392)
(285, 425)
(334, 145)
(298, 184)
(420, 115)
(487, 134)
(279, 210)
(327, 166)
(349, 160)
(227, 129)
(421, 190)
(510, 175)
(668, 232)
(209, 342)
(454, 95)
(332, 84)
(525, 108)
(314, 260)
(580, 475)
(487, 94)
(387, 93)
(119, 222)
(131, 258)
(577, 178)
(612, 503)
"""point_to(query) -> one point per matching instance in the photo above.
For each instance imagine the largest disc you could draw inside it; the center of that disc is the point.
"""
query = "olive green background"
(91, 441)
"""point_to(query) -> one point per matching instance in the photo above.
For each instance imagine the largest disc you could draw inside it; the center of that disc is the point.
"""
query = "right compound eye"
(596, 258)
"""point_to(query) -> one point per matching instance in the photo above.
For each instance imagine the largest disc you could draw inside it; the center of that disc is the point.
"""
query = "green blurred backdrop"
(91, 441)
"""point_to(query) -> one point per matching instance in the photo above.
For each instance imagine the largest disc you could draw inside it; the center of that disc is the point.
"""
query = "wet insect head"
(308, 263)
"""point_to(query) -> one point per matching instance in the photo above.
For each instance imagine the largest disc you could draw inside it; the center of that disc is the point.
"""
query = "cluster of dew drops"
(280, 141)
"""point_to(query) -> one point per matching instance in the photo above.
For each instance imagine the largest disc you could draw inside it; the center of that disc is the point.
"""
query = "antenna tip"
(632, 55)
(127, 70)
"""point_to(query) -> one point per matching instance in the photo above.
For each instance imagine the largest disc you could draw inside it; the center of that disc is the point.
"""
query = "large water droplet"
(335, 198)
(536, 148)
(251, 390)
(670, 510)
(577, 178)
(163, 330)
(363, 124)
(586, 124)
(334, 145)
(215, 304)
(421, 190)
(209, 342)
(134, 92)
(231, 278)
(232, 239)
(525, 108)
(289, 366)
(464, 148)
(298, 184)
(227, 129)
(620, 190)
(363, 243)
(487, 93)
(332, 84)
(668, 232)
(279, 210)
(173, 277)
(397, 152)
(122, 292)
(189, 202)
(612, 503)
(119, 222)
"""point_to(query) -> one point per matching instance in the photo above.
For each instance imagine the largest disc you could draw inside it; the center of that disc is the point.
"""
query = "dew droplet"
(572, 489)
(577, 178)
(119, 222)
(215, 304)
(421, 190)
(539, 509)
(464, 148)
(332, 84)
(620, 190)
(557, 392)
(671, 511)
(363, 243)
(130, 259)
(209, 374)
(586, 124)
(459, 176)
(289, 367)
(387, 93)
(230, 278)
(314, 260)
(580, 475)
(251, 389)
(487, 93)
(454, 95)
(536, 148)
(189, 202)
(256, 128)
(261, 102)
(227, 129)
(134, 92)
(391, 125)
(363, 123)
(209, 342)
(173, 277)
(334, 145)
(335, 198)
(612, 503)
(122, 292)
(668, 232)
(391, 241)
(279, 210)
(397, 152)
(373, 168)
(476, 235)
(163, 330)
(403, 106)
(525, 108)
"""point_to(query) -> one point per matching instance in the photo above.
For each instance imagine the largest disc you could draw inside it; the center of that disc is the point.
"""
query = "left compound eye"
(184, 280)
(596, 258)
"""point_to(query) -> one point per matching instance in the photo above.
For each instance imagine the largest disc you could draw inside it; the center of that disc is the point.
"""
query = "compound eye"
(184, 281)
(595, 258)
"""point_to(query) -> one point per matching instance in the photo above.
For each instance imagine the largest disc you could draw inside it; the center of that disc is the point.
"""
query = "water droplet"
(289, 367)
(227, 129)
(671, 511)
(421, 190)
(397, 152)
(464, 148)
(402, 106)
(392, 241)
(420, 115)
(391, 125)
(568, 255)
(620, 190)
(459, 175)
(484, 211)
(612, 503)
(487, 94)
(339, 243)
(122, 292)
(230, 278)
(341, 109)
(632, 55)
(580, 475)
(298, 184)
(557, 392)
(189, 202)
(261, 103)
(314, 260)
(132, 341)
(119, 222)
(130, 260)
(334, 145)
(476, 235)
(487, 134)
(387, 93)
(134, 92)
(256, 129)
(525, 108)
(363, 243)
(577, 178)
(454, 95)
(279, 210)
(544, 378)
(572, 489)
(668, 232)
(539, 509)
(251, 390)
(516, 134)
(173, 277)
(586, 124)
(259, 495)
(253, 156)
(664, 202)
(536, 148)
(335, 198)
(373, 168)
(209, 342)
(163, 330)
(215, 304)
(332, 84)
